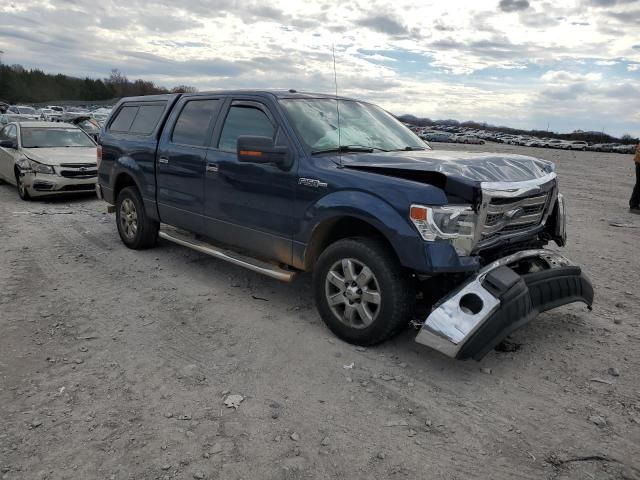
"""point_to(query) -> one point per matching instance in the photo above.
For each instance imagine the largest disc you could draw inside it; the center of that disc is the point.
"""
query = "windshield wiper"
(348, 149)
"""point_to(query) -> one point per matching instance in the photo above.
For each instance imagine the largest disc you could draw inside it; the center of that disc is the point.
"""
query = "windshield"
(361, 125)
(26, 110)
(54, 137)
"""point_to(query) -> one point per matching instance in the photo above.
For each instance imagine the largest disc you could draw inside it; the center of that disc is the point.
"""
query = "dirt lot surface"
(114, 364)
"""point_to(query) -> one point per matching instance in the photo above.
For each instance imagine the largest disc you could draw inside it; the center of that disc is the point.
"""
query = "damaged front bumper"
(498, 300)
(44, 184)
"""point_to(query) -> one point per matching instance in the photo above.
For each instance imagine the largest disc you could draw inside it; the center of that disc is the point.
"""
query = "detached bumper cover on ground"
(488, 307)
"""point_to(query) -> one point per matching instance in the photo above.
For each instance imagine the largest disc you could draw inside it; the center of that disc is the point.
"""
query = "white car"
(554, 143)
(578, 145)
(101, 115)
(56, 113)
(45, 114)
(27, 113)
(43, 158)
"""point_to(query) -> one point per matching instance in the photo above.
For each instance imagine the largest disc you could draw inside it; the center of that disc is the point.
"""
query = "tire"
(389, 284)
(22, 190)
(136, 229)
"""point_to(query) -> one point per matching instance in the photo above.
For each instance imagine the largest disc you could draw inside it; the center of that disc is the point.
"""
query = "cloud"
(573, 60)
(628, 17)
(562, 76)
(384, 24)
(513, 5)
(609, 3)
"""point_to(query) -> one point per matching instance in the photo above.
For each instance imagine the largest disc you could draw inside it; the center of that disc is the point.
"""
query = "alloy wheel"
(353, 293)
(128, 218)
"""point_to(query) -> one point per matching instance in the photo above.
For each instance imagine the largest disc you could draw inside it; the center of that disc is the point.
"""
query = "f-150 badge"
(312, 182)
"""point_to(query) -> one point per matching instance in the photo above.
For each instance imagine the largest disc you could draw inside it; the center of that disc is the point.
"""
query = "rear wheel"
(361, 291)
(136, 229)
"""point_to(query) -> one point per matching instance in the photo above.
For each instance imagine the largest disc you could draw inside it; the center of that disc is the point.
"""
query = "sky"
(561, 65)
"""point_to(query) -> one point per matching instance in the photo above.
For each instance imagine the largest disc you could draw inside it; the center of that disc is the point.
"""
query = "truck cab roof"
(261, 93)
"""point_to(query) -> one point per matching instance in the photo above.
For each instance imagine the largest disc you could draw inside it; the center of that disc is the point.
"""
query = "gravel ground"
(115, 364)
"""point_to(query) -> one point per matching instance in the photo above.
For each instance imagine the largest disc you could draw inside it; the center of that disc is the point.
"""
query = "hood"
(58, 155)
(473, 167)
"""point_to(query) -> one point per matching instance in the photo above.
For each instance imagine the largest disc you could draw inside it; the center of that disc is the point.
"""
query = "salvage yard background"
(114, 364)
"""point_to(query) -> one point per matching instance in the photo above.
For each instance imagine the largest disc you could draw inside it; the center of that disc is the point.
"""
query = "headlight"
(455, 223)
(40, 167)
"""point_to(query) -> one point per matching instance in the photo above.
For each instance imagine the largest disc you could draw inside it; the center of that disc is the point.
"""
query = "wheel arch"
(336, 228)
(355, 213)
(123, 180)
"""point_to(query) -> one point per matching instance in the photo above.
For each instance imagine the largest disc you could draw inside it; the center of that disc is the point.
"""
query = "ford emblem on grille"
(514, 214)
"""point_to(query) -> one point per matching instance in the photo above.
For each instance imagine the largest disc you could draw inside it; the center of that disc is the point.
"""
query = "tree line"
(20, 85)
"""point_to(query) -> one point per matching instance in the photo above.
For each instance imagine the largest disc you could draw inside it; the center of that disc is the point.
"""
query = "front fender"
(411, 250)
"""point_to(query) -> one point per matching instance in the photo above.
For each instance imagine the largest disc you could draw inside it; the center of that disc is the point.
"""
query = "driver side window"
(244, 120)
(10, 133)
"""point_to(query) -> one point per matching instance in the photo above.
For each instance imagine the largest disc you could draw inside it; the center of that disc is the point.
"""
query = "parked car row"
(457, 134)
(55, 113)
(88, 120)
(436, 136)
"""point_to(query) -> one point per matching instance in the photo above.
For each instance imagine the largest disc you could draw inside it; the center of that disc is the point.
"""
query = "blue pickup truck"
(394, 232)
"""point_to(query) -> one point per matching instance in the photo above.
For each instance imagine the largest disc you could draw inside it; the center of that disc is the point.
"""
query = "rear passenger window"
(244, 121)
(146, 119)
(124, 119)
(193, 123)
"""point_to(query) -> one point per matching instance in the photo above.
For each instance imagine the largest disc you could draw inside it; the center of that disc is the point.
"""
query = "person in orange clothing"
(634, 203)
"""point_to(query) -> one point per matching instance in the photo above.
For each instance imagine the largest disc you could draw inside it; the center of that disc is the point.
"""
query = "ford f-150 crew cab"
(283, 182)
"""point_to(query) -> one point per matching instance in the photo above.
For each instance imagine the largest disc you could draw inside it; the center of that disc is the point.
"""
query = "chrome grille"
(507, 216)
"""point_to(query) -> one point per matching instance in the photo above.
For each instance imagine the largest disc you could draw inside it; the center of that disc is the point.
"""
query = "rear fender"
(127, 166)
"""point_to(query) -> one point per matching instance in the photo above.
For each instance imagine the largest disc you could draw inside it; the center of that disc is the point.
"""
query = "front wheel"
(361, 291)
(22, 188)
(136, 229)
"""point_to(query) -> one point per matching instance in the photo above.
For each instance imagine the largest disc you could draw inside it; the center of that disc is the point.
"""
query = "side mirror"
(262, 150)
(8, 144)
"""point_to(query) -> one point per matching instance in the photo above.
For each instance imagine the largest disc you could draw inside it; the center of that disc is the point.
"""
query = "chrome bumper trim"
(455, 319)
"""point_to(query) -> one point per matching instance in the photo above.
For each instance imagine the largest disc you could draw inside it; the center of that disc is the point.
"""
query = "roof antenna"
(335, 79)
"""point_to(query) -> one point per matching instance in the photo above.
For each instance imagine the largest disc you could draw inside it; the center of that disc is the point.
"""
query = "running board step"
(188, 240)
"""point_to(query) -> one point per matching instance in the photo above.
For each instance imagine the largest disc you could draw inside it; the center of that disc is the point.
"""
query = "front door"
(180, 164)
(8, 156)
(249, 205)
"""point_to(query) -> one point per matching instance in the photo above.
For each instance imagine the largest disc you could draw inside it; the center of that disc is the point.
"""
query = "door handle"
(212, 167)
(163, 160)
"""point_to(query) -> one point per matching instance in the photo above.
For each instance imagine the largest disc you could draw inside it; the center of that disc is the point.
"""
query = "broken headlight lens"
(455, 223)
(40, 167)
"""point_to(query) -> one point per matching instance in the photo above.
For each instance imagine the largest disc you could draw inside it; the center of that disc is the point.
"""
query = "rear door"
(180, 165)
(249, 205)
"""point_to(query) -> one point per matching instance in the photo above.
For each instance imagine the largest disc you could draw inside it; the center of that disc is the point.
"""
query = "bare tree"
(184, 89)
